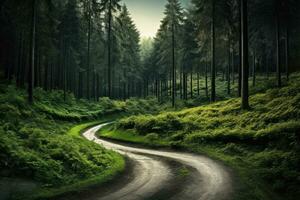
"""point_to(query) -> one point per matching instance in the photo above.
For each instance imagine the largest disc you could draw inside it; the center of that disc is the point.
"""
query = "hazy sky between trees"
(147, 14)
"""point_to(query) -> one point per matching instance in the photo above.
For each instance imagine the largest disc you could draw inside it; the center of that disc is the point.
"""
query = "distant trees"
(110, 7)
(130, 67)
(189, 51)
(92, 48)
(62, 45)
(172, 26)
(226, 32)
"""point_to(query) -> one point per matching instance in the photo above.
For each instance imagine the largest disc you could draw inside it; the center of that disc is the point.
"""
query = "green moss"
(38, 143)
(129, 136)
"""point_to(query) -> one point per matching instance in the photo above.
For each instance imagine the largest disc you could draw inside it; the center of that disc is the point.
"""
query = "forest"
(149, 100)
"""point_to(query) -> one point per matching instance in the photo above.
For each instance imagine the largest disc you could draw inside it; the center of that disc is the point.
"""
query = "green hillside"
(39, 149)
(262, 143)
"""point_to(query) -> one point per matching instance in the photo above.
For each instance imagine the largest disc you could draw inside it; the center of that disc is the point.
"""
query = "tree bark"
(191, 84)
(240, 52)
(32, 58)
(206, 80)
(278, 68)
(173, 67)
(287, 53)
(198, 83)
(245, 62)
(109, 50)
(228, 68)
(213, 67)
(88, 52)
(254, 70)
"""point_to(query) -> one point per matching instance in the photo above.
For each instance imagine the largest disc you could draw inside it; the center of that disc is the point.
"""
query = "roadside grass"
(151, 140)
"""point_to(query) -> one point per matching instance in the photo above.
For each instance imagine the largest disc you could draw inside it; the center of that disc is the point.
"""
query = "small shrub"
(152, 137)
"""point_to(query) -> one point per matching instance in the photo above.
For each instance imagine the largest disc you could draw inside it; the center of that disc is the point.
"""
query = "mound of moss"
(35, 146)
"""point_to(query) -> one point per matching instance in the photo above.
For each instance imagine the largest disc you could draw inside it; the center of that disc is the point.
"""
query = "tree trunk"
(206, 80)
(245, 63)
(287, 54)
(173, 67)
(20, 60)
(32, 59)
(109, 50)
(88, 52)
(254, 70)
(191, 84)
(278, 69)
(97, 87)
(228, 68)
(198, 83)
(94, 85)
(65, 73)
(240, 53)
(267, 66)
(213, 67)
(46, 75)
(80, 85)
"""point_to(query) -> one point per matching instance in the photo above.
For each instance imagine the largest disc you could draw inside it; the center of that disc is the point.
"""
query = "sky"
(147, 14)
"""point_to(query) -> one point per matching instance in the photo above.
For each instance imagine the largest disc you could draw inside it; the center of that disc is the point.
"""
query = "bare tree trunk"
(173, 67)
(254, 70)
(287, 53)
(109, 50)
(245, 63)
(240, 51)
(46, 75)
(191, 84)
(228, 68)
(206, 79)
(213, 67)
(278, 69)
(88, 52)
(198, 83)
(32, 59)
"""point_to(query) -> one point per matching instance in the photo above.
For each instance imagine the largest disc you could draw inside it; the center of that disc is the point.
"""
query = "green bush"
(152, 137)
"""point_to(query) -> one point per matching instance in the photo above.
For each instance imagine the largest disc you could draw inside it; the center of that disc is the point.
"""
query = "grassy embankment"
(38, 146)
(262, 145)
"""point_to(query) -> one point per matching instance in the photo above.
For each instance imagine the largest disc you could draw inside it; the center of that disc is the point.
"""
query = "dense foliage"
(34, 141)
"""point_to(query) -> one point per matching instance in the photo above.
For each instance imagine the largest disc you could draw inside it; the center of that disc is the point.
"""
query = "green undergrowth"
(115, 162)
(151, 140)
(38, 143)
(262, 84)
(261, 144)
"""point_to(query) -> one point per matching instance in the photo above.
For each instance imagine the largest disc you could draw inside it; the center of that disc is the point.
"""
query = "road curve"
(211, 182)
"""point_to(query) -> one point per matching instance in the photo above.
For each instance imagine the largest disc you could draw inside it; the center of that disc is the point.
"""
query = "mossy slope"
(262, 144)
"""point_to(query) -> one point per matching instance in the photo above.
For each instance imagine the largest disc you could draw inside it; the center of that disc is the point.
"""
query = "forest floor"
(261, 145)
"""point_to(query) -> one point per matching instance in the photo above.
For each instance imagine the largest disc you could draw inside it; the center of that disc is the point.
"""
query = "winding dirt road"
(152, 174)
